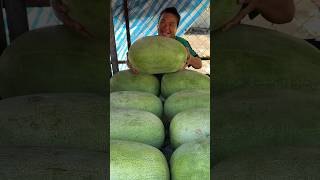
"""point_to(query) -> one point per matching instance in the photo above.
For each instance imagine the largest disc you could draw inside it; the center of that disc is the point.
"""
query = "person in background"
(275, 11)
(167, 26)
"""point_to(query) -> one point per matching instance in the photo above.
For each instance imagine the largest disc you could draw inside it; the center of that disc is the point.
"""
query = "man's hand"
(252, 5)
(195, 62)
(61, 10)
(275, 11)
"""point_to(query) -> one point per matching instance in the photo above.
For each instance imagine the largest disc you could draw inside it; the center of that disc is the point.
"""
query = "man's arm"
(275, 11)
(195, 62)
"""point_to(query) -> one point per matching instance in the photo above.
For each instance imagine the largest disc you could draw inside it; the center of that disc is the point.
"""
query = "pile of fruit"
(159, 129)
(267, 103)
(52, 107)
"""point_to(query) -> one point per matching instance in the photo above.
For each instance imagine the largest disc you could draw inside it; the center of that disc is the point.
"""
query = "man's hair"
(173, 11)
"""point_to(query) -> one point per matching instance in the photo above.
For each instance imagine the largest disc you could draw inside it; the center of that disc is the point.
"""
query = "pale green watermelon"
(223, 11)
(157, 54)
(271, 163)
(136, 125)
(183, 80)
(127, 81)
(136, 100)
(254, 57)
(191, 161)
(52, 59)
(186, 100)
(92, 15)
(261, 118)
(39, 163)
(54, 120)
(190, 125)
(136, 161)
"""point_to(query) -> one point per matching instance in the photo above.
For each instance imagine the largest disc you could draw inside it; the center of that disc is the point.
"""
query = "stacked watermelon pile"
(151, 119)
(267, 103)
(52, 107)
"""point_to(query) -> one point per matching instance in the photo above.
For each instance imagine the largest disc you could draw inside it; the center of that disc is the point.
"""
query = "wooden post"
(113, 49)
(126, 16)
(16, 18)
(3, 39)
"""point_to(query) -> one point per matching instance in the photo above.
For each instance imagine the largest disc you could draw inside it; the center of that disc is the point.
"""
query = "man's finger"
(237, 19)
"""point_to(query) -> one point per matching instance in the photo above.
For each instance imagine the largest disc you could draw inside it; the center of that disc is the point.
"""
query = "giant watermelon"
(223, 11)
(248, 56)
(157, 54)
(251, 118)
(136, 161)
(191, 161)
(54, 120)
(39, 163)
(190, 125)
(274, 163)
(184, 100)
(136, 125)
(92, 15)
(183, 80)
(127, 81)
(52, 59)
(136, 100)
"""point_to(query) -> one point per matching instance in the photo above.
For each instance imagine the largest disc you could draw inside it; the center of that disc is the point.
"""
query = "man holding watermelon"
(167, 26)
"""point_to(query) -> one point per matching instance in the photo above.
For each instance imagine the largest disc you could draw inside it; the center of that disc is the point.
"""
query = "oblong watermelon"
(127, 81)
(39, 163)
(183, 80)
(136, 125)
(253, 118)
(54, 120)
(191, 161)
(184, 100)
(189, 125)
(249, 56)
(157, 54)
(271, 163)
(223, 11)
(89, 14)
(136, 100)
(136, 161)
(58, 60)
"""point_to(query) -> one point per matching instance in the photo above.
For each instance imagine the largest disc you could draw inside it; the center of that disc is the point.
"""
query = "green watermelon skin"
(39, 163)
(189, 125)
(136, 161)
(183, 80)
(184, 100)
(271, 163)
(223, 11)
(191, 161)
(58, 60)
(157, 54)
(262, 118)
(127, 81)
(137, 100)
(136, 125)
(69, 120)
(248, 56)
(90, 14)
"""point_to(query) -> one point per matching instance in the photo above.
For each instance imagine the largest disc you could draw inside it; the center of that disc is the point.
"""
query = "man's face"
(168, 25)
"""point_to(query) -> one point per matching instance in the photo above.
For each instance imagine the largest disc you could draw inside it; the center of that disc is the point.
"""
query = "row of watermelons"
(150, 119)
(266, 102)
(52, 107)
